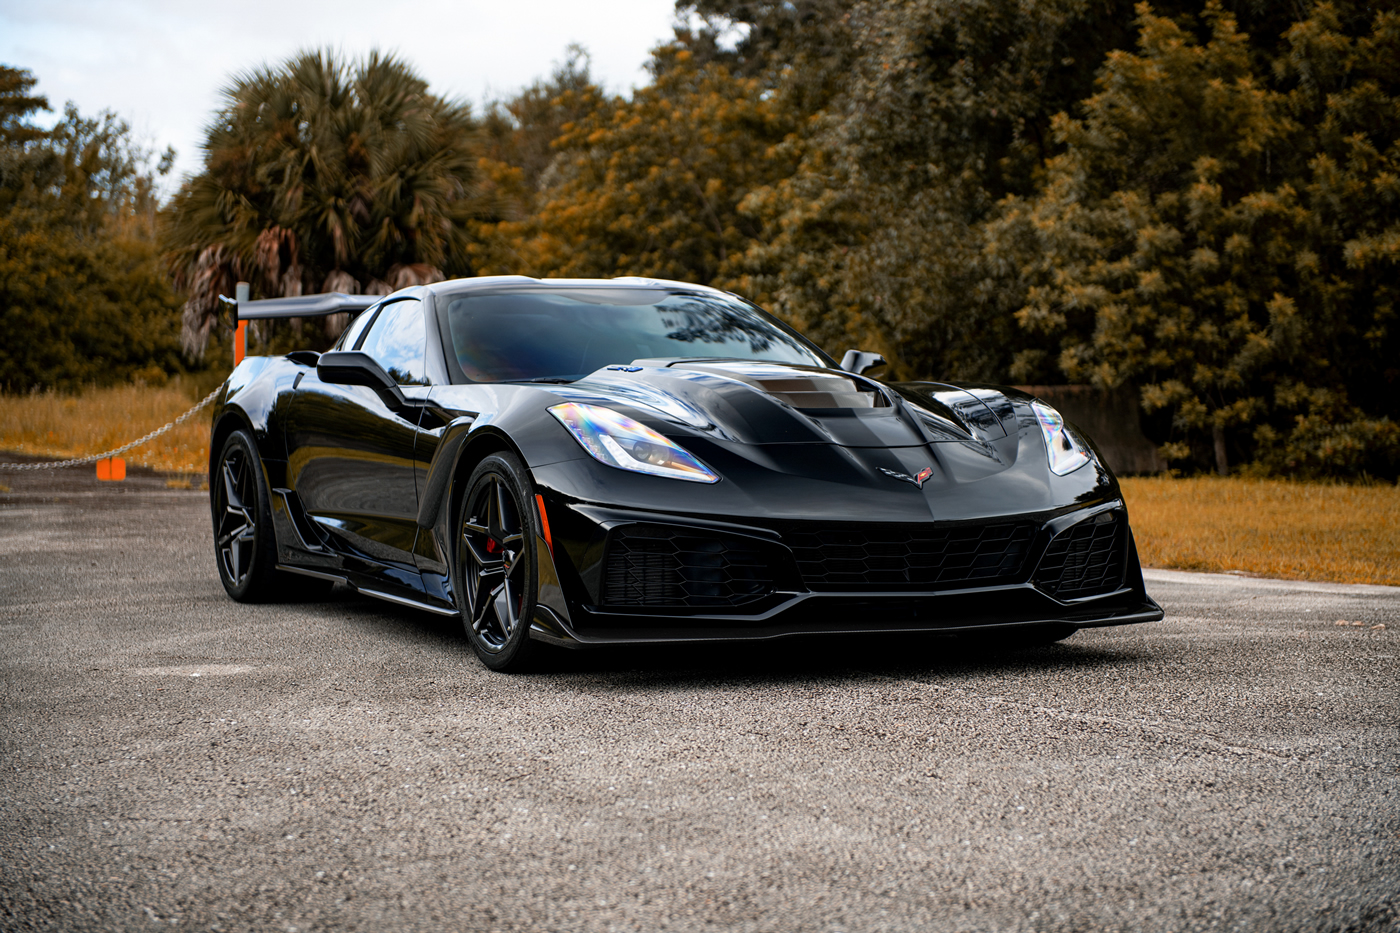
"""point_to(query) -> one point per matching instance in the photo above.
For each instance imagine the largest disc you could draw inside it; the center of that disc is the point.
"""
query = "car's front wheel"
(496, 563)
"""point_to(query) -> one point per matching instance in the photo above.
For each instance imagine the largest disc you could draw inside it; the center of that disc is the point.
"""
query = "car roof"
(486, 282)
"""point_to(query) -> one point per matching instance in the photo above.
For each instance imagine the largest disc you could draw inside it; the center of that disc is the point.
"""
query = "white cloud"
(160, 63)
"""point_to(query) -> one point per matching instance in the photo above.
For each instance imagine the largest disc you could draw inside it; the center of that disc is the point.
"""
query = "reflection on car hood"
(765, 403)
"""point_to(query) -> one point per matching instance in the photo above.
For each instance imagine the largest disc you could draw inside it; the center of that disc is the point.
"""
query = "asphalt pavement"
(170, 759)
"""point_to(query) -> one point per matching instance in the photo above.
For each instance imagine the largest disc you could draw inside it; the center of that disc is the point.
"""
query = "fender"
(518, 427)
(443, 468)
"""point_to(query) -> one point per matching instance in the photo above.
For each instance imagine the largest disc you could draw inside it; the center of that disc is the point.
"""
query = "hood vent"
(803, 390)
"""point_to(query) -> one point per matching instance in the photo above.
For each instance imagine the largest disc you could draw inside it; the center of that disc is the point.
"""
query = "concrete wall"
(1111, 419)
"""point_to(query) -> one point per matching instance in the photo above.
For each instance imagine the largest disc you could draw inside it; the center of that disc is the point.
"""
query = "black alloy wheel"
(244, 543)
(497, 570)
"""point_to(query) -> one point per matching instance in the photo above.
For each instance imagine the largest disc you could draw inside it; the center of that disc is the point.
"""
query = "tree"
(945, 109)
(324, 175)
(650, 185)
(1228, 240)
(520, 132)
(82, 294)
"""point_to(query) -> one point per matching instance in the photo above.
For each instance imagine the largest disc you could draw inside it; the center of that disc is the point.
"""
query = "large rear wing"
(299, 306)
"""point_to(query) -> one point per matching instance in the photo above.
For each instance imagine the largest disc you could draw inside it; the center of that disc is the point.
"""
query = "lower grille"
(1084, 559)
(657, 566)
(926, 556)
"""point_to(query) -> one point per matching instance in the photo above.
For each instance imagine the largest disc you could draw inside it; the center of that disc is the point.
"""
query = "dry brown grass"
(1345, 534)
(1275, 528)
(54, 424)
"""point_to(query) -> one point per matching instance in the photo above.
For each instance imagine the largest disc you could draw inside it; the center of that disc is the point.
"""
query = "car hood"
(789, 437)
(762, 403)
(783, 414)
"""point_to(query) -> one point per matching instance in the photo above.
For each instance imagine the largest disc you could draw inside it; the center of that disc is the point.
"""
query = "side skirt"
(377, 594)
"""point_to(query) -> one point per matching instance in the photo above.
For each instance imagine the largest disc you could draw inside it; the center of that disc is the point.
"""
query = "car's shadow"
(659, 666)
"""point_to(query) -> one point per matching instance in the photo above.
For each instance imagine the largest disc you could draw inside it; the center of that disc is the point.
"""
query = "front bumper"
(579, 602)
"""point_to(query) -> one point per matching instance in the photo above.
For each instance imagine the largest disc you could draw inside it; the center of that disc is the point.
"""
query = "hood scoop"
(802, 390)
(761, 403)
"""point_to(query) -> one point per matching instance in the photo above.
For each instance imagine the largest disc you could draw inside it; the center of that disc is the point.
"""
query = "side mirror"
(353, 368)
(858, 361)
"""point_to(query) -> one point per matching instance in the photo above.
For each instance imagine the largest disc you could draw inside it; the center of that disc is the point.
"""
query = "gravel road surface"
(170, 759)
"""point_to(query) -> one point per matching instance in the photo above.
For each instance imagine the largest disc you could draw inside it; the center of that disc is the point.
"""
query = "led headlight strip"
(621, 442)
(1066, 453)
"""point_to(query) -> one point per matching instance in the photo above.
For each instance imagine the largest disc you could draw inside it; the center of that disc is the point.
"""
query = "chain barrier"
(80, 461)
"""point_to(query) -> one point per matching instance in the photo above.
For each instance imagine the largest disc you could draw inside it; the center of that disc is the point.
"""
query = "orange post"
(112, 469)
(241, 292)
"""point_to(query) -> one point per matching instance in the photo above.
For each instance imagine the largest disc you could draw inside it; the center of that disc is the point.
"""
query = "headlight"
(619, 441)
(1066, 453)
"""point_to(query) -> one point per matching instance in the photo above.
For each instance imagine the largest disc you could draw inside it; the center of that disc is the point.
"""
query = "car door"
(351, 455)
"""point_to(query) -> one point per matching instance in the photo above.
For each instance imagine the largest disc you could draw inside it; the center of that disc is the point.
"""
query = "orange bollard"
(113, 469)
(240, 342)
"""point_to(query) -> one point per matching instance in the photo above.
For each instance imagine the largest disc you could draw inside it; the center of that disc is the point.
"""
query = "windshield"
(552, 334)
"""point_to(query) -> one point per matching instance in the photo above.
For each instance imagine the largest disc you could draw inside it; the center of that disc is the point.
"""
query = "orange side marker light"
(240, 342)
(112, 469)
(544, 524)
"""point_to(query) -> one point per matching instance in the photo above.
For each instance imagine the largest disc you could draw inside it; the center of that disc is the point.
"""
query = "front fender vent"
(1086, 559)
(658, 566)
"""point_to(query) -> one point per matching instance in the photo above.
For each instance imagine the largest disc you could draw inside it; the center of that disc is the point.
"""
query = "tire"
(245, 545)
(496, 565)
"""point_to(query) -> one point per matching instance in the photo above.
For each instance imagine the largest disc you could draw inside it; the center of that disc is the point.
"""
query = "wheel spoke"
(506, 611)
(237, 533)
(478, 551)
(493, 509)
(486, 597)
(231, 488)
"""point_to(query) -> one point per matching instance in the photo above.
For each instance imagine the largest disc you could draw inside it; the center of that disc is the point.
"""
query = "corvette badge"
(918, 479)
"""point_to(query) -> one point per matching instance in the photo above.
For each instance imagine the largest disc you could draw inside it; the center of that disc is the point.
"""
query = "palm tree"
(323, 175)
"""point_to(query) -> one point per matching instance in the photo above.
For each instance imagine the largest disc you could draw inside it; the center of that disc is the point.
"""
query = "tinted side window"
(352, 333)
(397, 341)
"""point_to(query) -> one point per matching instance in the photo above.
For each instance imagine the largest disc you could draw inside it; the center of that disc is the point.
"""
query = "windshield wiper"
(553, 380)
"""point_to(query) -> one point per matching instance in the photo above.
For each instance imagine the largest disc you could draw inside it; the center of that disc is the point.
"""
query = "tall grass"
(1275, 528)
(55, 424)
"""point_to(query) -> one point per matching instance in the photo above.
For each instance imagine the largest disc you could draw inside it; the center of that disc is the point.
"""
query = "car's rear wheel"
(496, 563)
(245, 546)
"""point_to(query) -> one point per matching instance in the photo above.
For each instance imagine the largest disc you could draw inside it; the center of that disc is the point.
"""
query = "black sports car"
(582, 462)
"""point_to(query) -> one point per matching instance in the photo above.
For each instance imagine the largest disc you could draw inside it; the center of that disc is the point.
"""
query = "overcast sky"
(160, 63)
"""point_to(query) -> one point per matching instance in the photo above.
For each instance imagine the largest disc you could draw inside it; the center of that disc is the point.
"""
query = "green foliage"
(83, 298)
(650, 185)
(324, 175)
(946, 108)
(1195, 199)
(1228, 241)
(521, 132)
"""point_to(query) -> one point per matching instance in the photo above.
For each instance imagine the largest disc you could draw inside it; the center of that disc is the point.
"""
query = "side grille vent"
(923, 556)
(1084, 559)
(659, 566)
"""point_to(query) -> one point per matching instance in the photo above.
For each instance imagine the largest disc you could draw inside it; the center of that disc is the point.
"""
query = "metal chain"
(80, 461)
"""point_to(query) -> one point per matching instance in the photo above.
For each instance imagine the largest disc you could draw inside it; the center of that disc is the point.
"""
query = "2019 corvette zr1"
(584, 462)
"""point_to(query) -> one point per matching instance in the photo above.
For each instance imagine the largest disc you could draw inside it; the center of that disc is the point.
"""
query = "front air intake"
(1085, 559)
(924, 556)
(657, 566)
